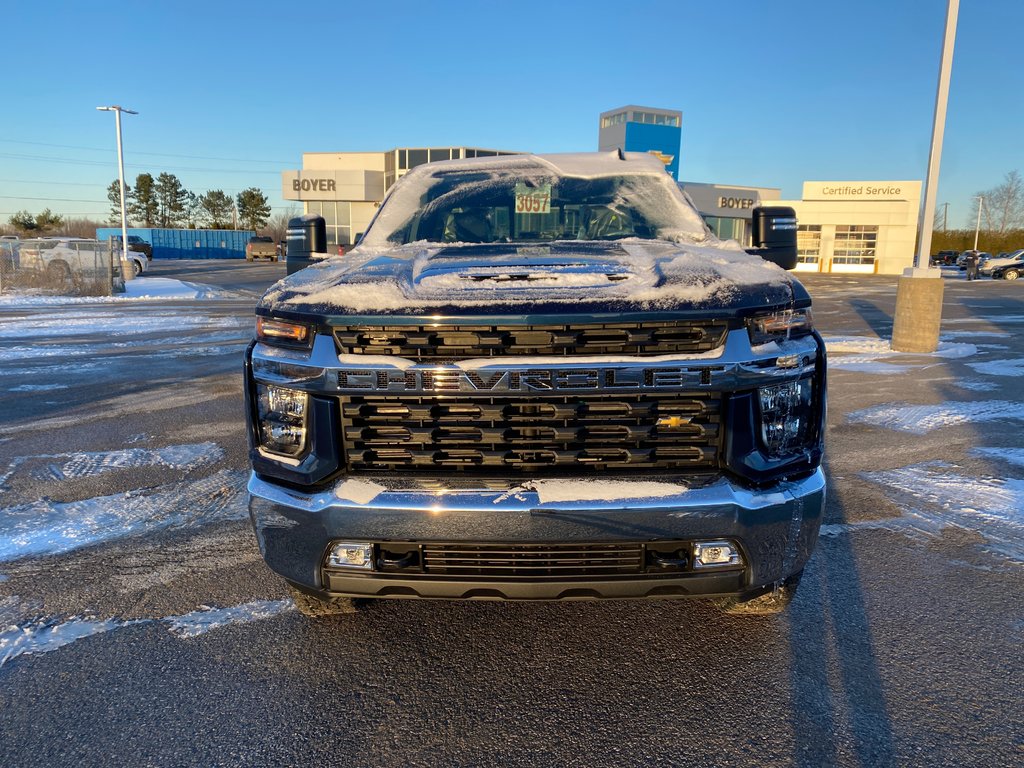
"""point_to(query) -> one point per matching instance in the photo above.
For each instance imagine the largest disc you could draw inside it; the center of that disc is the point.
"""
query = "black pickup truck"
(539, 378)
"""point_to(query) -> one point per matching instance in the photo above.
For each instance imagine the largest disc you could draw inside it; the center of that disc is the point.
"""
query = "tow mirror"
(306, 240)
(773, 230)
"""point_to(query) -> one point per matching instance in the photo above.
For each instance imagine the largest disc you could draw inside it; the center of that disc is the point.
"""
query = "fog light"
(711, 554)
(351, 554)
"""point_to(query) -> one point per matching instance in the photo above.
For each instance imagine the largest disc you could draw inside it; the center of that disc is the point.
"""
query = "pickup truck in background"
(136, 244)
(260, 247)
(540, 378)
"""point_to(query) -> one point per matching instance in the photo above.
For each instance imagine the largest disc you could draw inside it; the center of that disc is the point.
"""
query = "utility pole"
(945, 215)
(117, 110)
(977, 226)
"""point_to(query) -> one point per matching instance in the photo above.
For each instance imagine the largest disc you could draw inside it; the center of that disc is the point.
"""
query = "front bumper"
(776, 530)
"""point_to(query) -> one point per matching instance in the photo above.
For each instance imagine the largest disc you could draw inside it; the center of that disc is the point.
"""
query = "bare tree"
(1004, 205)
(277, 226)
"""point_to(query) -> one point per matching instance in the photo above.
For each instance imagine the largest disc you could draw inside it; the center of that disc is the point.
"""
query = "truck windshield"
(497, 206)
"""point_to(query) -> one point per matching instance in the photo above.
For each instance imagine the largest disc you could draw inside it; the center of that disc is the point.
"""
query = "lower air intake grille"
(575, 433)
(533, 560)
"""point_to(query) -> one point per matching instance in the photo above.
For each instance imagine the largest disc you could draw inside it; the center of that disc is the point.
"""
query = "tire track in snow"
(21, 636)
(920, 419)
(68, 466)
(46, 527)
(932, 498)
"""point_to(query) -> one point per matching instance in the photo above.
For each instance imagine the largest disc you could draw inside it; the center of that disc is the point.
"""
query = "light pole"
(117, 110)
(945, 215)
(977, 226)
(919, 292)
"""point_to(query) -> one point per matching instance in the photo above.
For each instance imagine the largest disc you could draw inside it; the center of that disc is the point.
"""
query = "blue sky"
(772, 94)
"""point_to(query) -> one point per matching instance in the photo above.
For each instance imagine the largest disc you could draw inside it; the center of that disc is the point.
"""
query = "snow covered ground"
(139, 289)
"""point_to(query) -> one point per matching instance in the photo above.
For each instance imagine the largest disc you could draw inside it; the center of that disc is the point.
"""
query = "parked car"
(261, 248)
(945, 258)
(136, 243)
(1002, 260)
(65, 259)
(961, 260)
(1011, 270)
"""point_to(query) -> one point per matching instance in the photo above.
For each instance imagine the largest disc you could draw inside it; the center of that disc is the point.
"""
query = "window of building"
(617, 119)
(440, 154)
(855, 244)
(726, 228)
(417, 157)
(654, 118)
(403, 159)
(808, 243)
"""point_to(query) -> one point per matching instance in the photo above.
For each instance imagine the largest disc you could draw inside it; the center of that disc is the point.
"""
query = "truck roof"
(580, 164)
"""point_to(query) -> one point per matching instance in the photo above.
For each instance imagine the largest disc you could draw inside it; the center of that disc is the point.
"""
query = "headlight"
(778, 326)
(786, 416)
(282, 419)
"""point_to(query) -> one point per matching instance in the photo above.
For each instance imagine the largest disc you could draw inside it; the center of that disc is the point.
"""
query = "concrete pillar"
(918, 310)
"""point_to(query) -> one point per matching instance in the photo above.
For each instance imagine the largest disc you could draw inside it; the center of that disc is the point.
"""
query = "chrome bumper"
(776, 528)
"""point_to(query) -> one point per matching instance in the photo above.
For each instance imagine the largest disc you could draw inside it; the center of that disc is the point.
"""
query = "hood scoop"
(510, 268)
(513, 276)
(552, 277)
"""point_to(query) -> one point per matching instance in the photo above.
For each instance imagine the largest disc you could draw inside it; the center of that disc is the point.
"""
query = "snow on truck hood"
(629, 273)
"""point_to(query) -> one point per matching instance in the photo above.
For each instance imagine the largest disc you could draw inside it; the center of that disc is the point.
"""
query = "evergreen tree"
(144, 207)
(171, 198)
(114, 196)
(47, 220)
(217, 209)
(253, 208)
(23, 221)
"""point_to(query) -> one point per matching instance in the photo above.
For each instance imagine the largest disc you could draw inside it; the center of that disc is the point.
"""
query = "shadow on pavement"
(837, 689)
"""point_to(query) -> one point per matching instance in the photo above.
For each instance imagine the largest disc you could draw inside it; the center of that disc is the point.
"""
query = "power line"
(234, 190)
(69, 161)
(51, 199)
(62, 183)
(154, 154)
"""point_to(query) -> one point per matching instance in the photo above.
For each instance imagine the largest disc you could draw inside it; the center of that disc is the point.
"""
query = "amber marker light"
(281, 331)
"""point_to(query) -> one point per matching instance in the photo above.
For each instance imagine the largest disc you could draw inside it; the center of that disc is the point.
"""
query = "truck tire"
(315, 608)
(771, 603)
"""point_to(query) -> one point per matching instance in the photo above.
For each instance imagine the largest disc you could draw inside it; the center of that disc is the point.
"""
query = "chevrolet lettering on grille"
(527, 380)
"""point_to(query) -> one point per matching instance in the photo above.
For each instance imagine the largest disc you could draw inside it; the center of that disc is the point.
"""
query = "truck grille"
(452, 342)
(533, 560)
(582, 433)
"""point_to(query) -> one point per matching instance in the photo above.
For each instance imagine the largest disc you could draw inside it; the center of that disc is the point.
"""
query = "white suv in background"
(1000, 261)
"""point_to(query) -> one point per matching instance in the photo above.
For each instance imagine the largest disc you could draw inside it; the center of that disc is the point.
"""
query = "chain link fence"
(61, 266)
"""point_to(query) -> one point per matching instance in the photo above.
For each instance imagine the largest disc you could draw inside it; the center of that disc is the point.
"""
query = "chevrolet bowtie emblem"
(673, 422)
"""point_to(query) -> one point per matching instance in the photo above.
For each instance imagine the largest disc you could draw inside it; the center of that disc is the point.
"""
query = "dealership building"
(844, 226)
(346, 188)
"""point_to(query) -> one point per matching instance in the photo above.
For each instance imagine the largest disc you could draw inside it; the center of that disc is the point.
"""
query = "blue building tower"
(643, 129)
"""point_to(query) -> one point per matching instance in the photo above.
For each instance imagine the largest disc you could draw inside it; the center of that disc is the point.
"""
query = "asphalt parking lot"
(138, 624)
